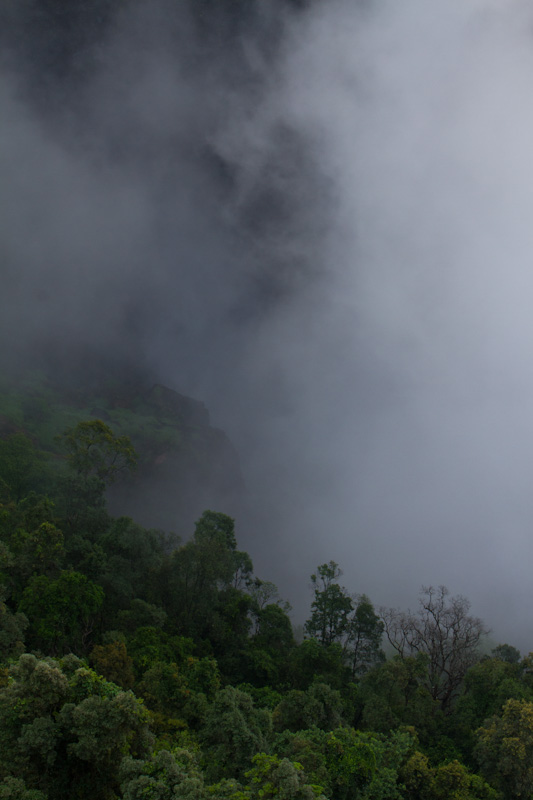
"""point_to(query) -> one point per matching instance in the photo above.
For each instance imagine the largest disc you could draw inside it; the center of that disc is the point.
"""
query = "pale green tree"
(505, 749)
(232, 733)
(272, 778)
(64, 730)
(331, 607)
(93, 450)
(363, 638)
(166, 775)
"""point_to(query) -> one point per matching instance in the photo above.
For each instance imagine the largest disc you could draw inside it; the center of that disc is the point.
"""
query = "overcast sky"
(319, 223)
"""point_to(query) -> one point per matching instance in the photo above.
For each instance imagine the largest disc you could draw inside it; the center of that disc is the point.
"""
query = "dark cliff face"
(186, 465)
(162, 223)
(187, 412)
(172, 489)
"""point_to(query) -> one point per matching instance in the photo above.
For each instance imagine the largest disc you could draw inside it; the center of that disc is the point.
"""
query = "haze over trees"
(134, 665)
(315, 216)
(219, 216)
(443, 631)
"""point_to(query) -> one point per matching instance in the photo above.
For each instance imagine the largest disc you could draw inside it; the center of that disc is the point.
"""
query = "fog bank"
(316, 220)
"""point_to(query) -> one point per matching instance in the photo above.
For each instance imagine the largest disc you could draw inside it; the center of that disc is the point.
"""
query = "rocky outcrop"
(185, 410)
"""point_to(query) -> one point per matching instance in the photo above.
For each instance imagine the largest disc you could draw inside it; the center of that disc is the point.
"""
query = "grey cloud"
(319, 225)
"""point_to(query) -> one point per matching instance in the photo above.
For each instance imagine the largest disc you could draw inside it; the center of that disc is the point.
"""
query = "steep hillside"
(184, 464)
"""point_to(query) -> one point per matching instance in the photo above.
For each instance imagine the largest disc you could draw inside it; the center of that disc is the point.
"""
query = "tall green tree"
(62, 612)
(93, 450)
(12, 632)
(331, 607)
(363, 638)
(198, 588)
(232, 733)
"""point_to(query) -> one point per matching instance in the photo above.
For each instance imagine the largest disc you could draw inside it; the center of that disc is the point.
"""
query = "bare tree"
(445, 632)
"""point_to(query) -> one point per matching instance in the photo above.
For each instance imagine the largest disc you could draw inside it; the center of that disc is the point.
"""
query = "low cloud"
(316, 221)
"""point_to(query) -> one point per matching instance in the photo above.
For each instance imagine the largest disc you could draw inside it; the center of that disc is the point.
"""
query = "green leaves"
(64, 731)
(22, 467)
(15, 789)
(505, 749)
(330, 608)
(336, 619)
(94, 451)
(233, 731)
(12, 629)
(61, 612)
(272, 777)
(167, 775)
(363, 638)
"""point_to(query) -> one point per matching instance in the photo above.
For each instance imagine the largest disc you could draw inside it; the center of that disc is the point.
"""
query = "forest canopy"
(135, 665)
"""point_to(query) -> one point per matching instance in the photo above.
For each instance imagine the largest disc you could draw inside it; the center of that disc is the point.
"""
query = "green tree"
(233, 731)
(366, 765)
(12, 629)
(453, 781)
(265, 593)
(487, 686)
(450, 781)
(16, 789)
(164, 689)
(394, 693)
(320, 706)
(61, 612)
(506, 652)
(272, 777)
(505, 749)
(308, 748)
(36, 552)
(149, 644)
(64, 730)
(113, 662)
(311, 661)
(141, 614)
(167, 775)
(270, 647)
(331, 607)
(131, 564)
(197, 589)
(30, 542)
(22, 467)
(95, 451)
(363, 638)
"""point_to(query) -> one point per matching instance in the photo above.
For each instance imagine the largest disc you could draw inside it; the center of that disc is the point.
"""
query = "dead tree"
(444, 631)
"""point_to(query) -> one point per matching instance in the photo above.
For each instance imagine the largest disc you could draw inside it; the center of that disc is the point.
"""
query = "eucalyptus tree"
(349, 620)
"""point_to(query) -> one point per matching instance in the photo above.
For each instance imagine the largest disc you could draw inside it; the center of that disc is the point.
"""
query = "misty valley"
(265, 400)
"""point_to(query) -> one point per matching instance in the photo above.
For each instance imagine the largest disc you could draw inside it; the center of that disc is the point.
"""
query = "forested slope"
(135, 665)
(170, 197)
(183, 464)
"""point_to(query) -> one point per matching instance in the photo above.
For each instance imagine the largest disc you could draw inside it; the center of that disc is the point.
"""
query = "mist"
(315, 219)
